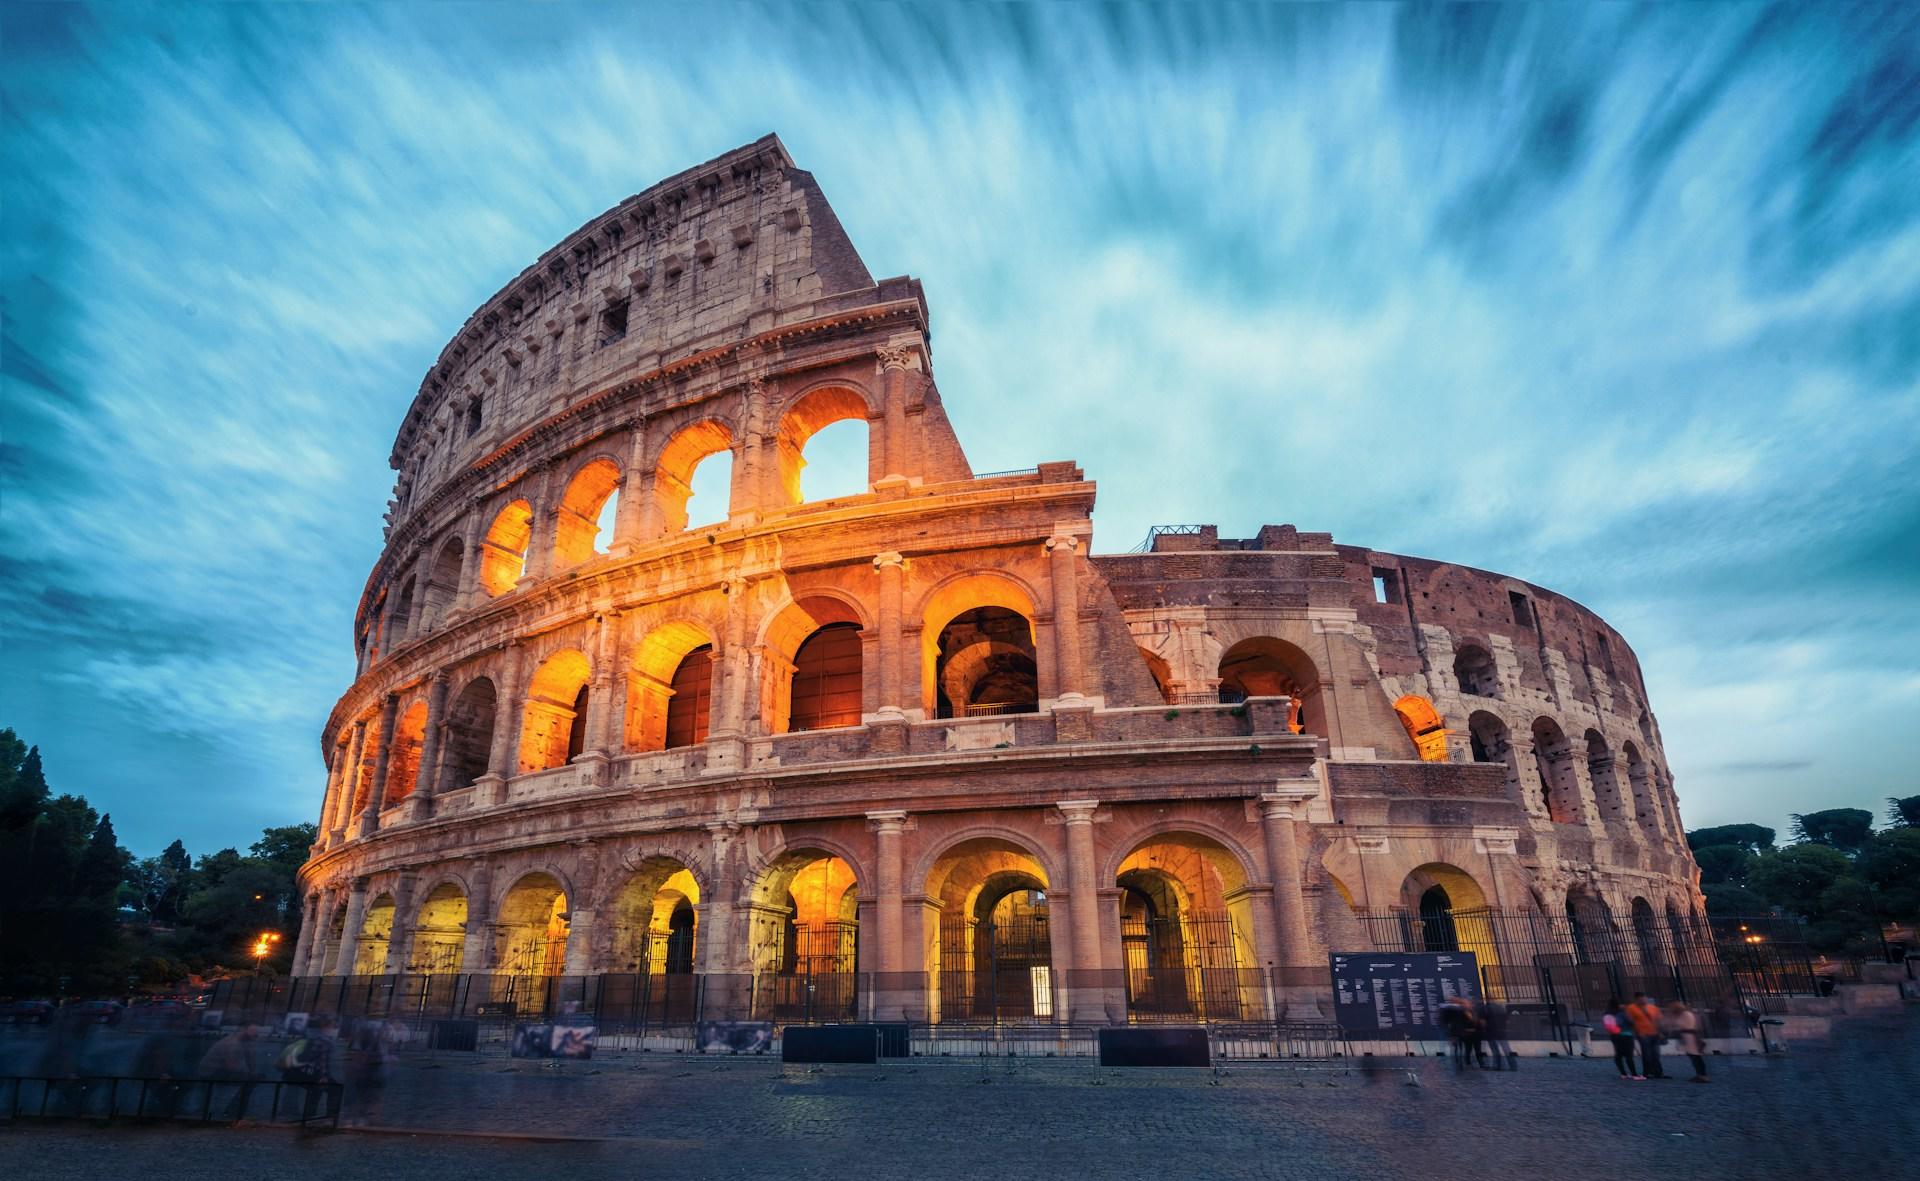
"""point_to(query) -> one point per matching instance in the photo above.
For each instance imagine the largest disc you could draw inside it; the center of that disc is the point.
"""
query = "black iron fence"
(116, 1097)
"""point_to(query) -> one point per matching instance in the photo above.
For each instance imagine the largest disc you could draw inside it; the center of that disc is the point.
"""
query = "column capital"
(1062, 541)
(1287, 802)
(887, 822)
(888, 559)
(1078, 811)
(897, 357)
(439, 676)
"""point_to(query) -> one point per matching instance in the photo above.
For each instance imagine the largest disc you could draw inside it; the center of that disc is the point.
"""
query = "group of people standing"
(1477, 1029)
(1643, 1026)
(312, 1061)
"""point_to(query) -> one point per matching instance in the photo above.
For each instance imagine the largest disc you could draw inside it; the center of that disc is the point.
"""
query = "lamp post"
(263, 947)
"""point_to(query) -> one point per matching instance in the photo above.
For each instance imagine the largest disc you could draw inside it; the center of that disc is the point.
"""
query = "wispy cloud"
(1624, 301)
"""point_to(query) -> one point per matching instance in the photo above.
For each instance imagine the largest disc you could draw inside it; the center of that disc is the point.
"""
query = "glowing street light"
(263, 947)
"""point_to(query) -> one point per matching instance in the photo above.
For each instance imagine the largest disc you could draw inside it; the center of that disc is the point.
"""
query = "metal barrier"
(108, 1098)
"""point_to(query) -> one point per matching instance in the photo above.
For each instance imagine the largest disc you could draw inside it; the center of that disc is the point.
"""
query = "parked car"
(27, 1012)
(98, 1012)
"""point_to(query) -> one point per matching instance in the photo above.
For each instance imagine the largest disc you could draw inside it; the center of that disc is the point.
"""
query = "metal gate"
(815, 978)
(996, 971)
(1181, 968)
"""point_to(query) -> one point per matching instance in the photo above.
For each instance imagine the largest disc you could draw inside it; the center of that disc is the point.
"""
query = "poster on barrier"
(735, 1037)
(1379, 994)
(552, 1041)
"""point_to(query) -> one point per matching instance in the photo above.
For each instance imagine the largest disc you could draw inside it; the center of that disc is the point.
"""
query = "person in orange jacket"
(1645, 1016)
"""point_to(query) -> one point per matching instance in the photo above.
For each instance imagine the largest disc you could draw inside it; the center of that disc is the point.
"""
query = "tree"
(1903, 812)
(1754, 838)
(1795, 877)
(1723, 864)
(1890, 863)
(1846, 829)
(288, 845)
(1728, 900)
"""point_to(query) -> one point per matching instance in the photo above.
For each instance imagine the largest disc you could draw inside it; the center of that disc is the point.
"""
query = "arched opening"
(1436, 920)
(825, 436)
(402, 613)
(440, 935)
(1590, 927)
(1474, 669)
(1606, 787)
(533, 927)
(362, 771)
(1267, 667)
(376, 935)
(670, 688)
(947, 606)
(655, 934)
(1424, 727)
(556, 711)
(503, 552)
(1445, 909)
(674, 479)
(1186, 931)
(1646, 939)
(403, 766)
(986, 665)
(1162, 675)
(468, 742)
(813, 667)
(1640, 781)
(1492, 742)
(443, 584)
(804, 938)
(1553, 759)
(585, 527)
(992, 958)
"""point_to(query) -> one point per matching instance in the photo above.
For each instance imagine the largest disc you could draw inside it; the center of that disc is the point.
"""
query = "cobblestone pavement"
(1844, 1109)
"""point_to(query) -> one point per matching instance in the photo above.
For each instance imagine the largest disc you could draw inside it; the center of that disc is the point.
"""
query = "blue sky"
(1622, 301)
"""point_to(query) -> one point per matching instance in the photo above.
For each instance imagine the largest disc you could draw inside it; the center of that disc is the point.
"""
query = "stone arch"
(923, 868)
(989, 955)
(828, 690)
(1187, 939)
(971, 594)
(591, 493)
(533, 921)
(553, 731)
(443, 583)
(503, 551)
(1267, 666)
(402, 614)
(673, 474)
(440, 929)
(374, 937)
(1606, 786)
(1646, 933)
(1640, 782)
(403, 765)
(803, 933)
(655, 666)
(648, 934)
(1492, 742)
(1424, 726)
(1553, 759)
(1475, 672)
(1160, 671)
(807, 415)
(467, 744)
(1446, 909)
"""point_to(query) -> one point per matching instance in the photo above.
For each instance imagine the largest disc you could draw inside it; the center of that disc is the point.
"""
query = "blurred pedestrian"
(371, 1055)
(1619, 1029)
(1457, 1021)
(232, 1060)
(308, 1062)
(1682, 1024)
(1493, 1019)
(166, 1061)
(1645, 1016)
(62, 1060)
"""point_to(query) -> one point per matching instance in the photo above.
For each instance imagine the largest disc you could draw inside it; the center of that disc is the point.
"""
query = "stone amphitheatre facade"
(915, 751)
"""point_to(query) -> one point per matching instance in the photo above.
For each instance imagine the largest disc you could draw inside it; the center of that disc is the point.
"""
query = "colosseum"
(916, 752)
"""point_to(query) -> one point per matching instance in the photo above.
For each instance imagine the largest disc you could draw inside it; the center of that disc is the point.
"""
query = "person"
(1619, 1029)
(1645, 1017)
(1682, 1024)
(230, 1060)
(1476, 1032)
(1456, 1021)
(1493, 1016)
(308, 1061)
(370, 1060)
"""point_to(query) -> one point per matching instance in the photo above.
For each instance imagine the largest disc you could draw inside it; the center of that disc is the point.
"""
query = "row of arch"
(692, 482)
(1556, 762)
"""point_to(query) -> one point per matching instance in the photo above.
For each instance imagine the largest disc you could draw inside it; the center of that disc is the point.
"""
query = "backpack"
(1612, 1024)
(293, 1060)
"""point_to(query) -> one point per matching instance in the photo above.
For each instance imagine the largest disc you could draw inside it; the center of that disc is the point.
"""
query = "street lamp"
(263, 947)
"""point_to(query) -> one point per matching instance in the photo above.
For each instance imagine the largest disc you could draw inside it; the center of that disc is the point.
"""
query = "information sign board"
(1398, 994)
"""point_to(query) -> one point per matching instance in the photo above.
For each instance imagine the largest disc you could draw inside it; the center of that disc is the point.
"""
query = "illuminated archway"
(586, 514)
(655, 926)
(669, 689)
(673, 478)
(554, 730)
(1161, 672)
(1264, 666)
(533, 925)
(1186, 931)
(965, 596)
(986, 665)
(803, 937)
(1445, 909)
(403, 766)
(376, 935)
(1424, 726)
(440, 933)
(805, 418)
(812, 674)
(503, 551)
(989, 943)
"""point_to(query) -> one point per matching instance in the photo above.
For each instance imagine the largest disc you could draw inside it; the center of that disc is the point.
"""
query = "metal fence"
(116, 1097)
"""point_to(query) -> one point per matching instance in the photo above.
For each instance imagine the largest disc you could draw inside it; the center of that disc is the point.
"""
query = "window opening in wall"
(835, 461)
(613, 322)
(826, 679)
(711, 490)
(1606, 656)
(690, 700)
(473, 417)
(986, 665)
(603, 524)
(1386, 585)
(1522, 610)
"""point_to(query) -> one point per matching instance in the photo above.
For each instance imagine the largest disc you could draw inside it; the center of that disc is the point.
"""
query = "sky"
(1621, 301)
